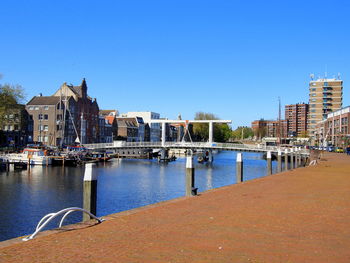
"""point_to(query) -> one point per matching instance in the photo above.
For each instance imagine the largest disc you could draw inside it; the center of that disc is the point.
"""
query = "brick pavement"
(297, 216)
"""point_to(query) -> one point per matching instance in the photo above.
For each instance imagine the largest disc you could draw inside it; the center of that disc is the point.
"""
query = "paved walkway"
(297, 216)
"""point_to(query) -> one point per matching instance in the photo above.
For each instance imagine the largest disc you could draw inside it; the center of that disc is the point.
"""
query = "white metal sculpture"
(47, 218)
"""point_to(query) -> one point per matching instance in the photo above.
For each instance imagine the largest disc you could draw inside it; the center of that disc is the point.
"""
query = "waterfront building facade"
(68, 116)
(111, 117)
(127, 129)
(105, 132)
(52, 124)
(325, 96)
(147, 116)
(16, 128)
(86, 116)
(270, 128)
(335, 129)
(296, 116)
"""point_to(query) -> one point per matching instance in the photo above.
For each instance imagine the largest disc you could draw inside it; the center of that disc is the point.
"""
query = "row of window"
(10, 127)
(11, 116)
(37, 107)
(43, 138)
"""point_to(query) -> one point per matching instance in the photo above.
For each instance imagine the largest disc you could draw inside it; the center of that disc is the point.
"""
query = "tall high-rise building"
(326, 96)
(297, 116)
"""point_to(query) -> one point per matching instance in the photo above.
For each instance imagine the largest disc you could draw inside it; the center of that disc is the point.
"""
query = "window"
(46, 127)
(46, 116)
(36, 108)
(16, 127)
(313, 94)
(46, 138)
(40, 117)
(10, 116)
(59, 117)
(313, 121)
(313, 105)
(313, 89)
(313, 110)
(31, 117)
(46, 107)
(313, 100)
(31, 107)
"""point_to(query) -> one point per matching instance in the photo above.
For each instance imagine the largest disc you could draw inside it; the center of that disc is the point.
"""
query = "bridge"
(119, 145)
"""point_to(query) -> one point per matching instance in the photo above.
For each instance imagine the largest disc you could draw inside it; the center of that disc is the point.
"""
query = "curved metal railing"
(47, 218)
(187, 145)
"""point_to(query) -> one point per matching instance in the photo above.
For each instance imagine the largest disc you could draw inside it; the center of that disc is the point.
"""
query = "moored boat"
(30, 156)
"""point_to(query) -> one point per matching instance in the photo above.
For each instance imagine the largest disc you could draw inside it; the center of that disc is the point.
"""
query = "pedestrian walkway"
(297, 216)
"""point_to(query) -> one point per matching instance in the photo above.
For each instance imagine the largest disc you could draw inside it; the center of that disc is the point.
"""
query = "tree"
(260, 132)
(10, 97)
(304, 134)
(222, 132)
(242, 132)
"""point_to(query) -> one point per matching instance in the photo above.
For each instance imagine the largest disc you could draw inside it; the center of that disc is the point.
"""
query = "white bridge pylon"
(187, 122)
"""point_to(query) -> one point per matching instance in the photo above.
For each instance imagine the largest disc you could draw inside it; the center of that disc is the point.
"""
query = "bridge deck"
(191, 145)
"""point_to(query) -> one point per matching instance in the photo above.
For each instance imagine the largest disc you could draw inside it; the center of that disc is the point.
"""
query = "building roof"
(108, 113)
(44, 100)
(127, 122)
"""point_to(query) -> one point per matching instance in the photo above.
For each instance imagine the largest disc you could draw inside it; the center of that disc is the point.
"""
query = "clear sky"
(230, 58)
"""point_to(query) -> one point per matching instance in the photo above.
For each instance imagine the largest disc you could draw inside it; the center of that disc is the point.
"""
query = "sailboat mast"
(279, 121)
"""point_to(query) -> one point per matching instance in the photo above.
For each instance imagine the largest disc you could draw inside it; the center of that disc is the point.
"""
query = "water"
(25, 197)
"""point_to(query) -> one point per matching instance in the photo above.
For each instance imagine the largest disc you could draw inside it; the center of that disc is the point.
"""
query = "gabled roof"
(127, 122)
(44, 100)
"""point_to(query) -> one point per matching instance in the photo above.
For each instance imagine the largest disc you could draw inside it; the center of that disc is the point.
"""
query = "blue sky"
(230, 58)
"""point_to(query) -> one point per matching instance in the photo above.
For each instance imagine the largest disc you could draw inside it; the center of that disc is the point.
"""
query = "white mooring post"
(239, 168)
(269, 163)
(292, 158)
(90, 191)
(286, 160)
(279, 161)
(190, 189)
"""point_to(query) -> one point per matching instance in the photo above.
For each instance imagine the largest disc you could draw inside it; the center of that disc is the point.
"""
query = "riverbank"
(297, 216)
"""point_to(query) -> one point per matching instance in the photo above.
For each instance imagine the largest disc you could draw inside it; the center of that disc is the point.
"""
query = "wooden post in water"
(286, 159)
(28, 166)
(190, 189)
(279, 161)
(239, 168)
(90, 191)
(269, 163)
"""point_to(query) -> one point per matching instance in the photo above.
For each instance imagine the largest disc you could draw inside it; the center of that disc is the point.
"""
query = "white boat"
(29, 155)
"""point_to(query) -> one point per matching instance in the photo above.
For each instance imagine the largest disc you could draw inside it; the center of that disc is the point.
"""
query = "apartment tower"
(325, 96)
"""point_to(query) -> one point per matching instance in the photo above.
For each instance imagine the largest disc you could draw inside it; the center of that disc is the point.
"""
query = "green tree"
(222, 132)
(242, 132)
(10, 97)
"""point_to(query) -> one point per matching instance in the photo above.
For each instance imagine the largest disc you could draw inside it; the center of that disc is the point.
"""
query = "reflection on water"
(26, 196)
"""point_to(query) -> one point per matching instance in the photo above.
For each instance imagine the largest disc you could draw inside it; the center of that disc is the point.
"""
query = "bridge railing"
(214, 145)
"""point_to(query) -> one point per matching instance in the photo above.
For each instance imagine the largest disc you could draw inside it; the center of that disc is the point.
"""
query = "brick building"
(297, 117)
(67, 116)
(335, 129)
(270, 128)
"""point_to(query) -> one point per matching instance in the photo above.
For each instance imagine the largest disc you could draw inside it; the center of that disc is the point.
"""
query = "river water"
(26, 196)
